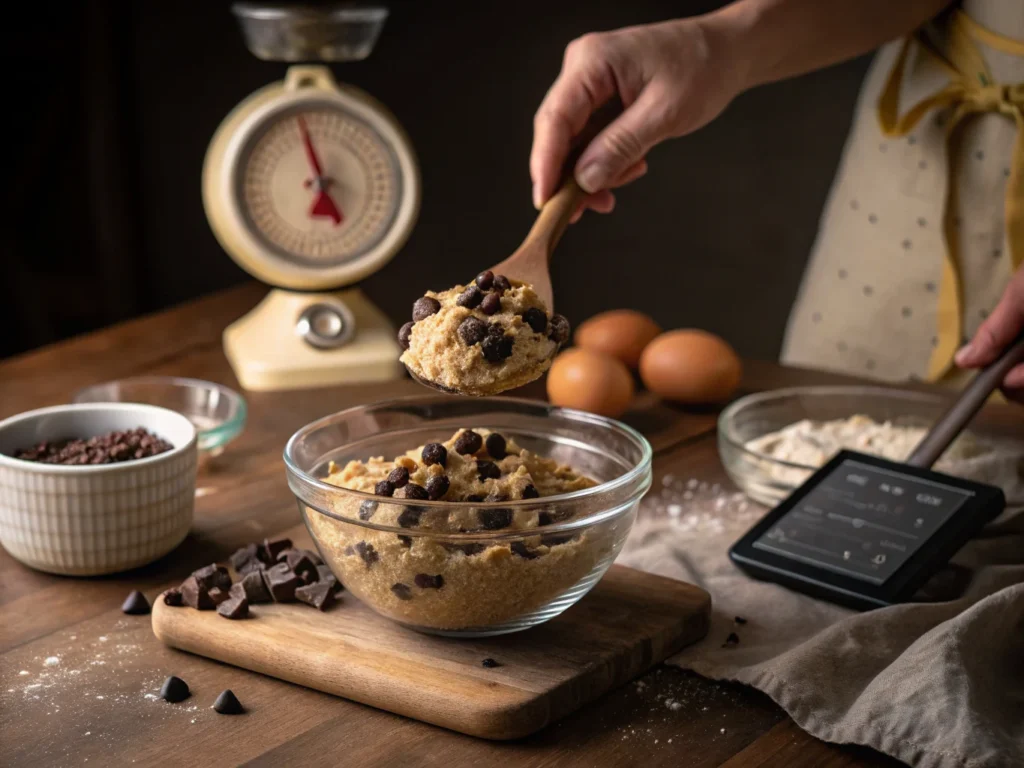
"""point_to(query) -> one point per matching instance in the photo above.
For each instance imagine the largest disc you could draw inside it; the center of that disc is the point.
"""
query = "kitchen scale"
(868, 532)
(310, 186)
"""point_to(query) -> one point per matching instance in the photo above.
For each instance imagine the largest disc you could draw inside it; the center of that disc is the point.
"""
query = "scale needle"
(323, 205)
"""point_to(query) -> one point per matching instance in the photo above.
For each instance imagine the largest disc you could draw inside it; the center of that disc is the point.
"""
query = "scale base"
(267, 352)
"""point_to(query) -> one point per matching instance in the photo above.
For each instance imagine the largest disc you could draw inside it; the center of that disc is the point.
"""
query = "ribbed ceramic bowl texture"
(95, 519)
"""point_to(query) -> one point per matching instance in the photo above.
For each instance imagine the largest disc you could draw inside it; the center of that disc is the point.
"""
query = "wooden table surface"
(79, 677)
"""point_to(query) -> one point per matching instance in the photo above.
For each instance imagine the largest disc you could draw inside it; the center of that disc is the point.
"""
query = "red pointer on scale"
(323, 205)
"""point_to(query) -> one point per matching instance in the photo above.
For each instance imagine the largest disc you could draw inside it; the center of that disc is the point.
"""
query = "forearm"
(771, 40)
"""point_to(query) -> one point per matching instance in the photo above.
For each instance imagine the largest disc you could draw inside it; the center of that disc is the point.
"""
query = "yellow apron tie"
(971, 91)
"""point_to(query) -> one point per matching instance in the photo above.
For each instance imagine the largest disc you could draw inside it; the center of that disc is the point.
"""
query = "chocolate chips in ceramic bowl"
(109, 448)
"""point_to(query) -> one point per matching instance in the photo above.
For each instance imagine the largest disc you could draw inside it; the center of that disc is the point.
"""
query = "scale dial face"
(318, 186)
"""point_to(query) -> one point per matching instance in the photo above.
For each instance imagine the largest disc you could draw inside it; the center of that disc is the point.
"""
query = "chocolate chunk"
(491, 305)
(559, 330)
(468, 442)
(242, 556)
(488, 470)
(135, 604)
(414, 491)
(501, 284)
(271, 549)
(740, 620)
(536, 319)
(228, 704)
(367, 553)
(109, 448)
(496, 348)
(496, 446)
(519, 548)
(426, 581)
(384, 488)
(555, 539)
(731, 640)
(489, 663)
(404, 334)
(313, 556)
(553, 516)
(281, 583)
(213, 575)
(437, 487)
(474, 497)
(434, 453)
(472, 331)
(410, 517)
(494, 519)
(174, 690)
(253, 588)
(485, 280)
(251, 566)
(398, 477)
(194, 594)
(402, 591)
(302, 565)
(531, 492)
(319, 595)
(406, 541)
(327, 577)
(173, 598)
(234, 608)
(467, 549)
(367, 509)
(218, 595)
(470, 298)
(424, 308)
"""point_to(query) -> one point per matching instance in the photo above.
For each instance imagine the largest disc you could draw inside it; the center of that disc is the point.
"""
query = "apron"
(924, 224)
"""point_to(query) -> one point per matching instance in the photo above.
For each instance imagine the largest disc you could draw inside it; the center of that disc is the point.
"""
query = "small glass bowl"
(217, 412)
(433, 566)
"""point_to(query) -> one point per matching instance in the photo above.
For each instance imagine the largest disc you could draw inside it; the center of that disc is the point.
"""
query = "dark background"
(111, 106)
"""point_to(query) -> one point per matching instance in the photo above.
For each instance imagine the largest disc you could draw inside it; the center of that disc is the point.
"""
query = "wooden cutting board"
(629, 622)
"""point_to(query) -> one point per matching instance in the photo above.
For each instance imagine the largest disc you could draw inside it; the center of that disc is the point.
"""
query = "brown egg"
(621, 333)
(587, 380)
(690, 366)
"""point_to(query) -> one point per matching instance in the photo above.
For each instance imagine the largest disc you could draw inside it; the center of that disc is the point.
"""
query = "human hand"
(995, 334)
(672, 78)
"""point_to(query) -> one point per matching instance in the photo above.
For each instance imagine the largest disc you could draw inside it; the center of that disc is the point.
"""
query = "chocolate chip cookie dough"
(483, 338)
(424, 580)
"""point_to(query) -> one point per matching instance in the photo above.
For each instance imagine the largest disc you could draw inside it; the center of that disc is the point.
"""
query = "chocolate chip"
(218, 595)
(213, 575)
(536, 319)
(519, 548)
(437, 487)
(410, 517)
(406, 541)
(531, 492)
(740, 620)
(319, 595)
(501, 284)
(496, 446)
(251, 566)
(228, 704)
(253, 588)
(467, 549)
(195, 595)
(488, 470)
(470, 298)
(327, 577)
(556, 539)
(402, 591)
(384, 488)
(496, 349)
(434, 453)
(491, 305)
(174, 690)
(485, 280)
(302, 566)
(135, 604)
(109, 448)
(242, 556)
(367, 553)
(472, 331)
(236, 607)
(474, 497)
(489, 663)
(468, 442)
(553, 516)
(398, 477)
(426, 581)
(424, 308)
(173, 598)
(494, 519)
(271, 549)
(559, 329)
(414, 491)
(281, 583)
(732, 639)
(367, 510)
(404, 334)
(496, 329)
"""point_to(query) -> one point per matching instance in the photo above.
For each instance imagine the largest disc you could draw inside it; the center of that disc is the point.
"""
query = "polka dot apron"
(916, 243)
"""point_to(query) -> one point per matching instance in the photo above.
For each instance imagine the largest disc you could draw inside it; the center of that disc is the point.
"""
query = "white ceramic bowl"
(94, 519)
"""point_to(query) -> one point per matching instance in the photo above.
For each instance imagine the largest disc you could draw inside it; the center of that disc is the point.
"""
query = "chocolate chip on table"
(536, 319)
(271, 549)
(135, 604)
(218, 595)
(519, 548)
(488, 470)
(384, 488)
(496, 349)
(251, 566)
(494, 519)
(406, 541)
(434, 453)
(485, 280)
(426, 581)
(327, 577)
(281, 583)
(402, 591)
(410, 517)
(302, 565)
(470, 298)
(319, 595)
(172, 597)
(437, 487)
(314, 556)
(240, 557)
(234, 608)
(732, 639)
(472, 331)
(109, 448)
(559, 329)
(501, 284)
(424, 308)
(414, 491)
(196, 595)
(740, 620)
(489, 663)
(531, 492)
(228, 704)
(253, 588)
(491, 305)
(213, 575)
(174, 690)
(404, 334)
(496, 446)
(468, 442)
(367, 553)
(367, 510)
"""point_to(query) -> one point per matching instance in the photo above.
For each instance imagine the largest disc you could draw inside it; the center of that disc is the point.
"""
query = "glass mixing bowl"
(441, 570)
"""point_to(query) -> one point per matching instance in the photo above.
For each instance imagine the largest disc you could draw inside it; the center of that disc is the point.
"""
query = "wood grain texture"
(629, 622)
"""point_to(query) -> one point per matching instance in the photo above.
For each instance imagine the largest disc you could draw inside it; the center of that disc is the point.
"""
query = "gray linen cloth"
(934, 684)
